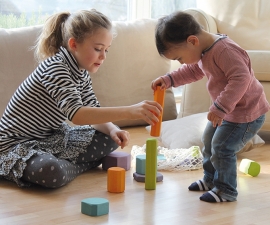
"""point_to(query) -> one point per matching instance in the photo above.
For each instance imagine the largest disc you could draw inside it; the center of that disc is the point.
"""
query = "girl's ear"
(192, 39)
(72, 44)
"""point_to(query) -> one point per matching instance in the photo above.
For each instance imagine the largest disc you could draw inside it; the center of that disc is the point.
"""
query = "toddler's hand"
(158, 82)
(216, 120)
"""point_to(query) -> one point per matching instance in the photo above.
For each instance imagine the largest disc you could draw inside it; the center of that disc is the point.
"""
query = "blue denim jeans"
(219, 152)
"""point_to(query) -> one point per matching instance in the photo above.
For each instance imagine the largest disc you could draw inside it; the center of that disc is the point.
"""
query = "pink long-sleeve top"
(236, 94)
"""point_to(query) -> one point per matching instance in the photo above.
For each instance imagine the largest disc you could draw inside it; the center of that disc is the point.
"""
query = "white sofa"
(124, 78)
(133, 62)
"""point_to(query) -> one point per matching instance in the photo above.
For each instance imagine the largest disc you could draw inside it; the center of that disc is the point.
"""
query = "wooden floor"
(171, 202)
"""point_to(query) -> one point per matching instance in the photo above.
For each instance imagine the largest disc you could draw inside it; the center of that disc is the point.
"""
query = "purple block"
(116, 159)
(141, 177)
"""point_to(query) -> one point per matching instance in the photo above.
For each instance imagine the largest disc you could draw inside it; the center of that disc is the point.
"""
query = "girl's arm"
(121, 137)
(146, 110)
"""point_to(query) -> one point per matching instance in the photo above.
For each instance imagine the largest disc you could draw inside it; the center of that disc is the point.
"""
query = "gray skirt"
(66, 142)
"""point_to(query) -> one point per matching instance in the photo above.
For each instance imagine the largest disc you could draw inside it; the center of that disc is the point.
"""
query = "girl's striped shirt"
(47, 97)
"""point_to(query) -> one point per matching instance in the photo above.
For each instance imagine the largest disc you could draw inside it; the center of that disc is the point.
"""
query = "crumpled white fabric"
(180, 159)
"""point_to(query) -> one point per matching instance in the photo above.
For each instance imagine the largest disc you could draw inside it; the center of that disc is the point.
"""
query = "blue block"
(140, 164)
(95, 206)
(161, 157)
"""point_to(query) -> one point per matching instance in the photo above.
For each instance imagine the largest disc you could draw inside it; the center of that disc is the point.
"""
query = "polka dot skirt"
(65, 143)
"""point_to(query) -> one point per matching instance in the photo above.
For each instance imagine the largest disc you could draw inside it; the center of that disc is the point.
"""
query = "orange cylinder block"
(116, 178)
(159, 96)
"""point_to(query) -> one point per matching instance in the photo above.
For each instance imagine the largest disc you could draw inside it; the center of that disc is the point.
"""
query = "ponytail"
(60, 27)
(51, 38)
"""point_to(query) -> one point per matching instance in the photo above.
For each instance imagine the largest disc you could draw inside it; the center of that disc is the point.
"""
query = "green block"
(95, 206)
(195, 151)
(151, 164)
(250, 167)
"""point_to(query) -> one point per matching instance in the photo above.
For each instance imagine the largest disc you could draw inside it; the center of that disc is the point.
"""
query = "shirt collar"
(221, 36)
(71, 61)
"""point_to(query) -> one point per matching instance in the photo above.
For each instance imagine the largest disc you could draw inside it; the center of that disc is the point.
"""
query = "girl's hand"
(121, 137)
(158, 82)
(146, 110)
(216, 120)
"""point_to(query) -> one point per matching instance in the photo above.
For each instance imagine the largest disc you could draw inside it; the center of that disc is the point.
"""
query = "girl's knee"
(48, 171)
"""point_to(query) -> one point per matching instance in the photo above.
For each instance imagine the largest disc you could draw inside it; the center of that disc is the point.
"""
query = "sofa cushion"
(246, 22)
(16, 59)
(260, 62)
(206, 21)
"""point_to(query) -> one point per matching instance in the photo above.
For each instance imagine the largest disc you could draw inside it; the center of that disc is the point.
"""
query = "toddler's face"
(186, 53)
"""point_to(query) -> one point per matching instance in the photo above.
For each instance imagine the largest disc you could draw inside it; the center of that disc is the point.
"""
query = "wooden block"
(140, 164)
(141, 177)
(116, 179)
(250, 167)
(117, 159)
(151, 164)
(95, 206)
(159, 96)
(161, 157)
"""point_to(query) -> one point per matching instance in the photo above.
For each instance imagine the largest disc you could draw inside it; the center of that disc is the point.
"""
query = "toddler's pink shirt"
(236, 94)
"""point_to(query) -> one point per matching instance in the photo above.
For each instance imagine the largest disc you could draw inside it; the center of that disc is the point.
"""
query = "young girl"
(36, 145)
(239, 103)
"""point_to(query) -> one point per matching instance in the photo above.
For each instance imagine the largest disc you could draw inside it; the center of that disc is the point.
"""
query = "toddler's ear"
(192, 39)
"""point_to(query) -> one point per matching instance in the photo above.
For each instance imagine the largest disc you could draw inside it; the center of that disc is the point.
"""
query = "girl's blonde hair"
(60, 27)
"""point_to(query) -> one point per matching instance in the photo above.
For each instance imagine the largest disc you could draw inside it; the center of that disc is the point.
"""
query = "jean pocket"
(253, 128)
